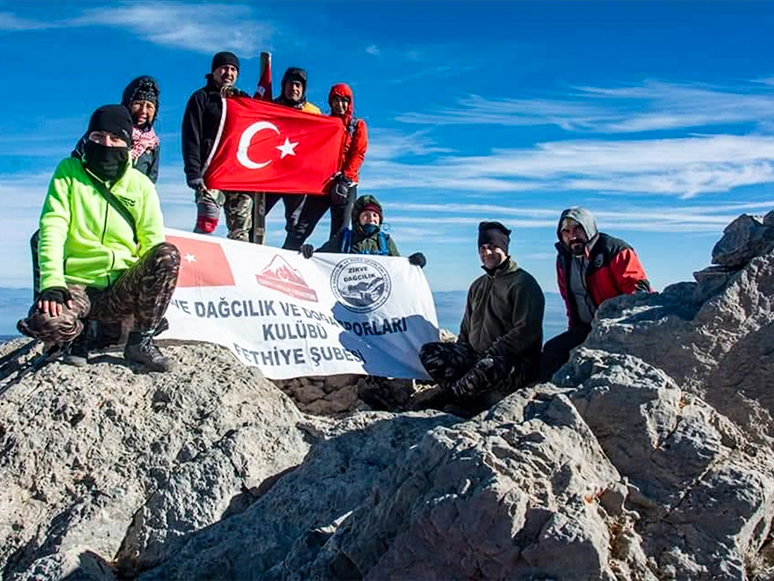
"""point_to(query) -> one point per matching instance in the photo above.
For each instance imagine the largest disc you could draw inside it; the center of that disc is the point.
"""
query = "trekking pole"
(262, 92)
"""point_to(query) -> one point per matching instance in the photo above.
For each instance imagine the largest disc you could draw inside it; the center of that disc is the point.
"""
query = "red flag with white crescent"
(263, 147)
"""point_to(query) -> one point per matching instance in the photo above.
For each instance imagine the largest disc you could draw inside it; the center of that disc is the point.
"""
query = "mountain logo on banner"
(360, 284)
(282, 277)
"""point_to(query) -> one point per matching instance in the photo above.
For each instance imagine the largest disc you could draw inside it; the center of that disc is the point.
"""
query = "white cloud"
(373, 50)
(200, 27)
(648, 107)
(387, 144)
(9, 22)
(683, 167)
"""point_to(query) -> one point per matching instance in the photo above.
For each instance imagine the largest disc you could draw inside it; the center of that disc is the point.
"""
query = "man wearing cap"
(292, 94)
(591, 267)
(498, 347)
(102, 250)
(200, 127)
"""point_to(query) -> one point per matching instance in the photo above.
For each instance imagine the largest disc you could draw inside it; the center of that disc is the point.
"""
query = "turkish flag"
(265, 147)
(202, 263)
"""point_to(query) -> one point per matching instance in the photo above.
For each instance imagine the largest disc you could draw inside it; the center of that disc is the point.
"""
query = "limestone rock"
(743, 239)
(102, 458)
(650, 457)
(304, 506)
(719, 350)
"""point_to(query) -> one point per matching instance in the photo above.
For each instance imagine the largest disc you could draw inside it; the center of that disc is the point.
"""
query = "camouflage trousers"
(144, 291)
(238, 207)
(468, 382)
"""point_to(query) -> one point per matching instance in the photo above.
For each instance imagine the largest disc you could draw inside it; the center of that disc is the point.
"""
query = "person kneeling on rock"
(366, 235)
(501, 334)
(102, 251)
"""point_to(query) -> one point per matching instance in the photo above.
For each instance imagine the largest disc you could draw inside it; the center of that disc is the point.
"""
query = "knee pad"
(206, 225)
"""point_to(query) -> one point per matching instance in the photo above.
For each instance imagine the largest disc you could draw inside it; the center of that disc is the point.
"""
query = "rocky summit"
(649, 457)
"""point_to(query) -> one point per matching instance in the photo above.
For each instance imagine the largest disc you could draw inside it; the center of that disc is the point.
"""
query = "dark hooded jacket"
(504, 316)
(295, 73)
(360, 242)
(609, 267)
(200, 126)
(148, 162)
(356, 138)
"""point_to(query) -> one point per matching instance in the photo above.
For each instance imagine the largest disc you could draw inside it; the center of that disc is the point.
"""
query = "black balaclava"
(494, 233)
(109, 163)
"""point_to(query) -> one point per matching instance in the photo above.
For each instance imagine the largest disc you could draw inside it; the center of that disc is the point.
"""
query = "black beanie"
(145, 89)
(224, 58)
(114, 119)
(495, 234)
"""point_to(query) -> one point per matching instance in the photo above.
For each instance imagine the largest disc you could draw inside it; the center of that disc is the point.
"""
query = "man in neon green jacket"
(102, 250)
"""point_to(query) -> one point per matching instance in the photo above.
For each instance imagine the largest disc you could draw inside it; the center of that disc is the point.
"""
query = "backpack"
(346, 244)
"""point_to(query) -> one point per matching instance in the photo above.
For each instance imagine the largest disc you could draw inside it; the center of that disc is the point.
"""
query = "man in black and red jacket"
(591, 267)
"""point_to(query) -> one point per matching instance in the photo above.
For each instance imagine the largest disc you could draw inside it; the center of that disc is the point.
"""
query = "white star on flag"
(287, 148)
(190, 258)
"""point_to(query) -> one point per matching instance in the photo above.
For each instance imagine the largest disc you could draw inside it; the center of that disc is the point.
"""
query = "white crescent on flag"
(244, 143)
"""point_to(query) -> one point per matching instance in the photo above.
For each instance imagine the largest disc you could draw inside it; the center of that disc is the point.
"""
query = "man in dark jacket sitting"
(498, 348)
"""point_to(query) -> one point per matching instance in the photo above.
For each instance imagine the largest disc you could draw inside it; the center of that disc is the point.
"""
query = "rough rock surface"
(721, 349)
(86, 451)
(743, 239)
(648, 458)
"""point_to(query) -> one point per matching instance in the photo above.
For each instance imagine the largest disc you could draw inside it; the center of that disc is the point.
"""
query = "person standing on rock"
(292, 94)
(102, 250)
(366, 236)
(342, 192)
(498, 348)
(200, 127)
(591, 267)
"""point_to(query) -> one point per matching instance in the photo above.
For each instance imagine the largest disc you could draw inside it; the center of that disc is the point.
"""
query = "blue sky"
(657, 116)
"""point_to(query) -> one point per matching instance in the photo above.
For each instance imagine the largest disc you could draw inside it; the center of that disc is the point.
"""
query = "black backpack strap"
(114, 202)
(352, 127)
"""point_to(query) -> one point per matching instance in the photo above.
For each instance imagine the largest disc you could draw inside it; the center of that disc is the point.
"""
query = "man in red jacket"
(343, 190)
(591, 267)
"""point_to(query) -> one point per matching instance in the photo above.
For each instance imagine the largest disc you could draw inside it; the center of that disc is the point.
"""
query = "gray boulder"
(743, 239)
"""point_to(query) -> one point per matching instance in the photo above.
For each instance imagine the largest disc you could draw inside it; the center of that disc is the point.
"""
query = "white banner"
(295, 317)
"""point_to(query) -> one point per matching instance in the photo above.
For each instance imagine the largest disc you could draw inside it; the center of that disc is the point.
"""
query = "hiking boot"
(78, 352)
(141, 349)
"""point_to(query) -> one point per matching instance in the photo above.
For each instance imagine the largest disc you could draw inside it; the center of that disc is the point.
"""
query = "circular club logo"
(360, 285)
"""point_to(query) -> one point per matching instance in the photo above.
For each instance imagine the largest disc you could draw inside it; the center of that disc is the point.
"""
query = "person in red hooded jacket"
(342, 192)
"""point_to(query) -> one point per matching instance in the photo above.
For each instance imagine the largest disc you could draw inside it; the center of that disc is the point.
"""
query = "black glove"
(196, 184)
(307, 250)
(417, 259)
(475, 380)
(56, 294)
(340, 190)
(232, 91)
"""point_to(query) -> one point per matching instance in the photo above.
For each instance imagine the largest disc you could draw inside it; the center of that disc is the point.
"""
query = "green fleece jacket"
(361, 244)
(504, 314)
(85, 241)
